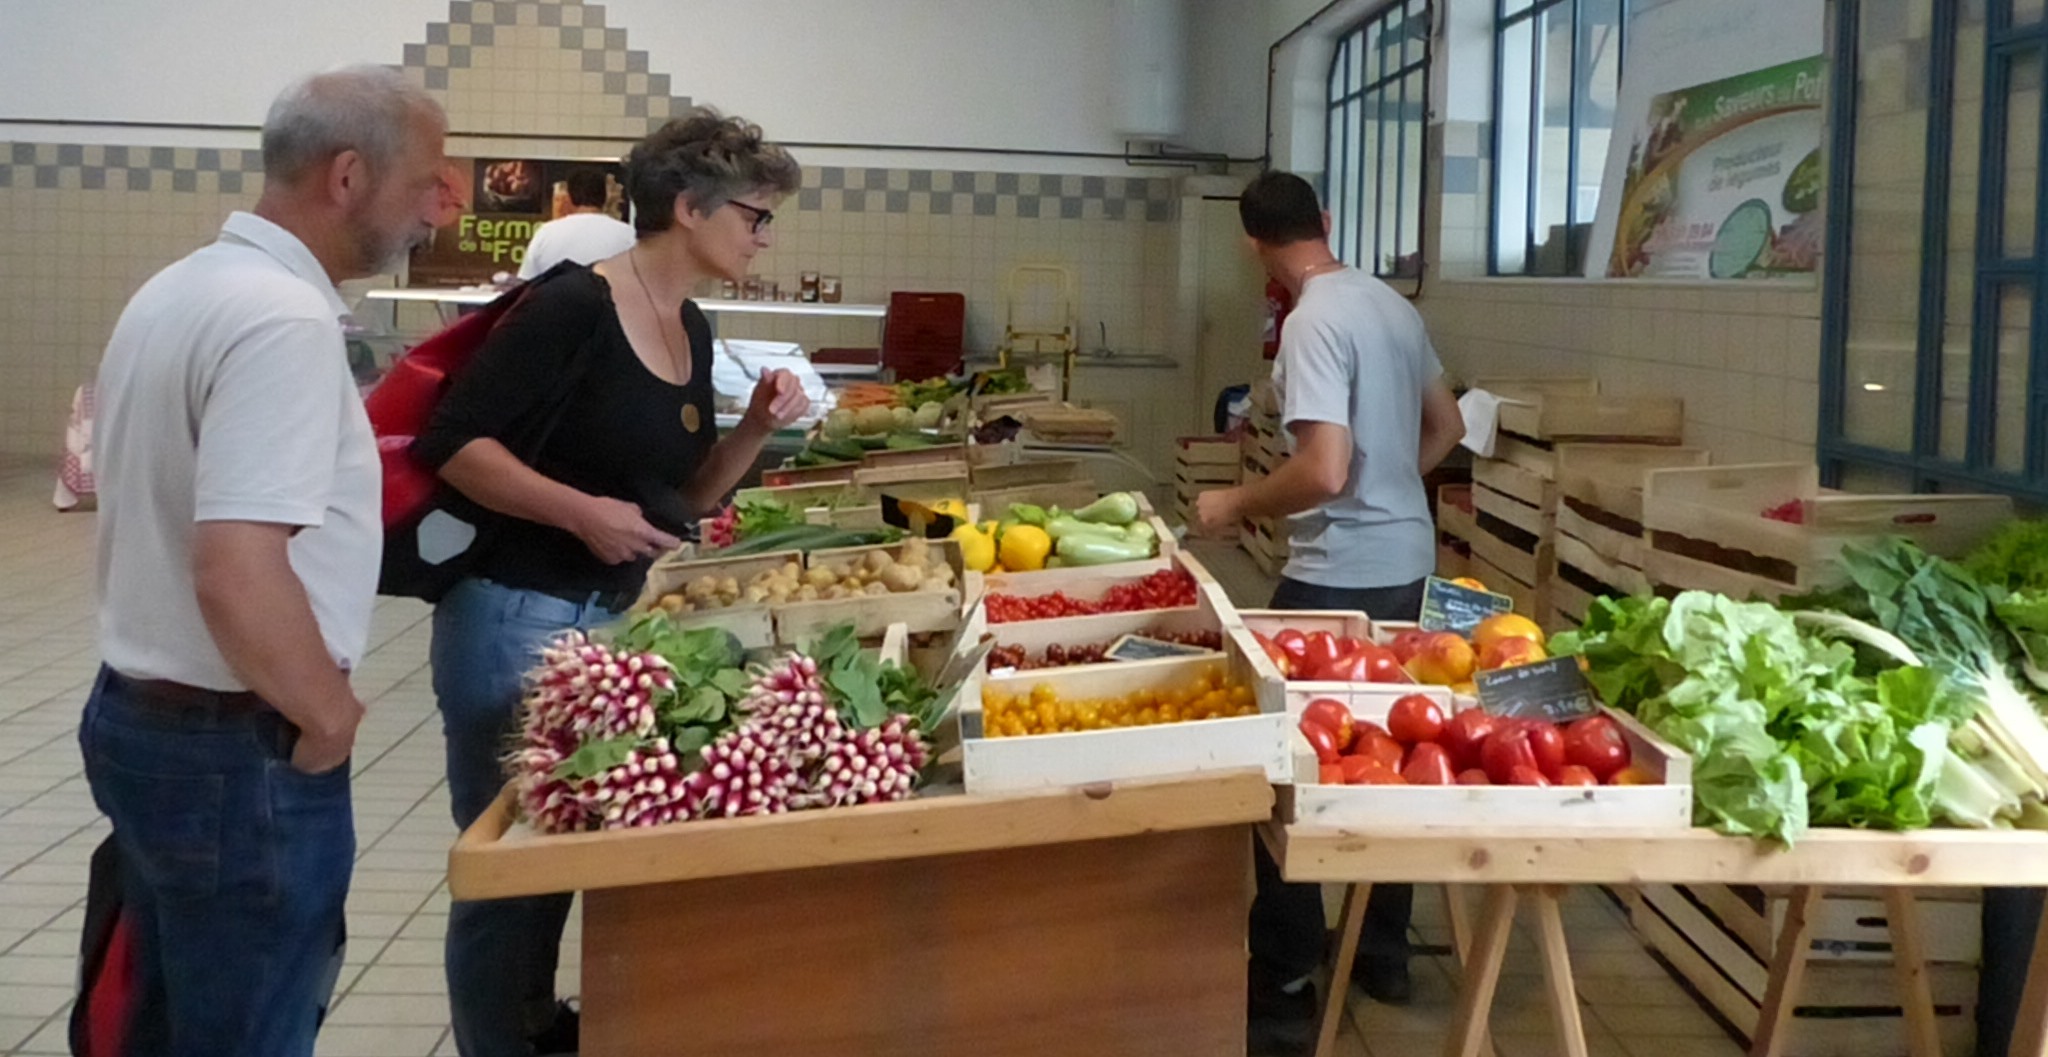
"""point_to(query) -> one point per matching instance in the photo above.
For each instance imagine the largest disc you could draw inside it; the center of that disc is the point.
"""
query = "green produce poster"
(1724, 180)
(504, 201)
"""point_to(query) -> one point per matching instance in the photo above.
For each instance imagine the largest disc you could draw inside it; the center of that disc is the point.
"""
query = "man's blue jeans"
(501, 953)
(235, 866)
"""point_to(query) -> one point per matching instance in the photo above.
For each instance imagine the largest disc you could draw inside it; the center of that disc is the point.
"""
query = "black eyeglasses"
(762, 217)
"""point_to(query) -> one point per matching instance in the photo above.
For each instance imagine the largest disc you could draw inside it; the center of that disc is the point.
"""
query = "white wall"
(993, 74)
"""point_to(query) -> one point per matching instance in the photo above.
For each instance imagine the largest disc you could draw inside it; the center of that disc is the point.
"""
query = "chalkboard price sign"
(1449, 607)
(1554, 690)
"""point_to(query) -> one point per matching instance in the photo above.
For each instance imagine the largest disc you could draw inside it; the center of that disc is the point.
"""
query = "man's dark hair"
(586, 187)
(1279, 208)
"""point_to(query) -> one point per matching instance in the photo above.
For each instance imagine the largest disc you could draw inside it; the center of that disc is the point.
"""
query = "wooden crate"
(954, 456)
(871, 615)
(1575, 409)
(1529, 600)
(1344, 624)
(783, 476)
(1707, 530)
(1455, 510)
(1665, 806)
(1266, 543)
(1205, 458)
(752, 623)
(1453, 558)
(994, 765)
(1031, 472)
(1719, 940)
(1072, 495)
(801, 496)
(1600, 542)
(919, 482)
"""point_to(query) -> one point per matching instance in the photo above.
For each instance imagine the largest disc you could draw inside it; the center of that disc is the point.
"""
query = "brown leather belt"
(165, 694)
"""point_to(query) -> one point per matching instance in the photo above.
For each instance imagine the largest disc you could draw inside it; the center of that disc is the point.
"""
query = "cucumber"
(809, 538)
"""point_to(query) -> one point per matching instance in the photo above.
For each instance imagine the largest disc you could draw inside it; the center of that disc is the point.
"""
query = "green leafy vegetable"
(758, 517)
(595, 757)
(2015, 558)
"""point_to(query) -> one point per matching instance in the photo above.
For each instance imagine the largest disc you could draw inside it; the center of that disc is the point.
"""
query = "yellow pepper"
(977, 547)
(1024, 548)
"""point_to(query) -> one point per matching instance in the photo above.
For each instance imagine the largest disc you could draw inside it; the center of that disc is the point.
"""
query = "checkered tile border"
(474, 24)
(946, 192)
(44, 165)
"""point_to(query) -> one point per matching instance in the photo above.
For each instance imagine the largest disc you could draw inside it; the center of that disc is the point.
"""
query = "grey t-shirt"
(1355, 353)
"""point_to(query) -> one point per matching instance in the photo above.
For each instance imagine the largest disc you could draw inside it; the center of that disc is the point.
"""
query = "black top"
(620, 431)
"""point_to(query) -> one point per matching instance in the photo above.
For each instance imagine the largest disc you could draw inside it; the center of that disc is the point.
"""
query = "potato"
(916, 552)
(832, 593)
(791, 570)
(755, 593)
(879, 560)
(821, 577)
(672, 603)
(807, 593)
(780, 593)
(729, 586)
(900, 579)
(875, 589)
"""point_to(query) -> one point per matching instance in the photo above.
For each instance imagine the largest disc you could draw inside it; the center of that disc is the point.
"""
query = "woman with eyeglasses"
(586, 424)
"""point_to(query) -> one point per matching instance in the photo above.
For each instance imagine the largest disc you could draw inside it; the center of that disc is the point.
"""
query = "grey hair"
(366, 108)
(707, 159)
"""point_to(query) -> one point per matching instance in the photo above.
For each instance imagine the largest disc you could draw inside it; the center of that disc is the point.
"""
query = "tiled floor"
(392, 1001)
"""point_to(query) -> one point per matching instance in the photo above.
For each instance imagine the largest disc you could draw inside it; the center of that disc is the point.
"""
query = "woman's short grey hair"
(707, 159)
(367, 109)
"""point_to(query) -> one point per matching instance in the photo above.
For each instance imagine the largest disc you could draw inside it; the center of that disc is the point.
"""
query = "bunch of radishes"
(604, 746)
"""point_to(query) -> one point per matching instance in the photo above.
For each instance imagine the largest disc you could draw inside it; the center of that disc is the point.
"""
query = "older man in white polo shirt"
(239, 546)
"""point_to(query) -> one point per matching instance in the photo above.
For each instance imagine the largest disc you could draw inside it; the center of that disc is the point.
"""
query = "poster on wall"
(1718, 161)
(508, 199)
(1724, 180)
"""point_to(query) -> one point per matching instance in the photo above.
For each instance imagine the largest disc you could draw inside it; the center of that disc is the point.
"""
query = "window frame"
(1349, 228)
(1926, 468)
(1504, 23)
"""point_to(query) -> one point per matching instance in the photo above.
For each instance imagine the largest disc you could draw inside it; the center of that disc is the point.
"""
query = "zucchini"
(809, 538)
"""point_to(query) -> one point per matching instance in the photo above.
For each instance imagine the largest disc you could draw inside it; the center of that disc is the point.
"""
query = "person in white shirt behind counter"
(586, 235)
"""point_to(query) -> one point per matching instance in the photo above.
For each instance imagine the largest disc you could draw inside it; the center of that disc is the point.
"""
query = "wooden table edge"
(484, 865)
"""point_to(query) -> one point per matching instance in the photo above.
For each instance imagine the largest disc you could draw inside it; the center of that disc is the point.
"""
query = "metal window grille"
(1557, 76)
(1374, 155)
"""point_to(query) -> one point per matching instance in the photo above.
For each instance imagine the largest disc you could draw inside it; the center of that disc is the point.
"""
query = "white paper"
(1482, 420)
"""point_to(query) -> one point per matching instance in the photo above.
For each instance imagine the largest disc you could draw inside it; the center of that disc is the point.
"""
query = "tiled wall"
(82, 226)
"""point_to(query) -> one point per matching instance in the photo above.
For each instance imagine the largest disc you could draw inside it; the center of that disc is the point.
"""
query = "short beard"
(379, 252)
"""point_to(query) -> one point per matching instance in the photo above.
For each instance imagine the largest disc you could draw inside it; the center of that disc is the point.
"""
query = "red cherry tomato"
(1465, 733)
(1523, 774)
(1473, 776)
(1379, 747)
(1547, 743)
(1506, 750)
(1332, 714)
(1428, 764)
(1596, 743)
(1415, 718)
(1322, 741)
(1573, 774)
(1319, 652)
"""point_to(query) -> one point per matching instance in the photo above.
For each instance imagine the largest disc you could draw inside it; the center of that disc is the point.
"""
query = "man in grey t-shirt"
(1367, 414)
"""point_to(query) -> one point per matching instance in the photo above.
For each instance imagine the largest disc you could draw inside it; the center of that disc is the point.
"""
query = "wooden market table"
(1527, 863)
(1096, 920)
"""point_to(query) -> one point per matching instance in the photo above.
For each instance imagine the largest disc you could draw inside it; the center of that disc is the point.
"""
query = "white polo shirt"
(585, 238)
(225, 395)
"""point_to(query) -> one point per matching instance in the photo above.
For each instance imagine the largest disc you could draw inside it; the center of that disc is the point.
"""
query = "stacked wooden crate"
(1768, 530)
(1262, 449)
(1721, 940)
(1454, 530)
(1600, 540)
(1515, 492)
(1199, 465)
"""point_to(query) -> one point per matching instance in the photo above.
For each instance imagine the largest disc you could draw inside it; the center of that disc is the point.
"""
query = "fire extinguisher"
(1278, 303)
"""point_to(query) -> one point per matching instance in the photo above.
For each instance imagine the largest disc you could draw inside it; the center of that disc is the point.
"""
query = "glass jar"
(828, 289)
(808, 282)
(750, 289)
(771, 290)
(729, 290)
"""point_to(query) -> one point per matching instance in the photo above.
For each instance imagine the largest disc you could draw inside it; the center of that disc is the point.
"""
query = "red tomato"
(1381, 776)
(1428, 764)
(1473, 776)
(1348, 668)
(1407, 644)
(1465, 733)
(1361, 727)
(1347, 644)
(1322, 741)
(1334, 715)
(1547, 743)
(1380, 747)
(1382, 666)
(1279, 657)
(1596, 744)
(1330, 774)
(1357, 767)
(1523, 774)
(1415, 718)
(1319, 652)
(1573, 774)
(1506, 750)
(1293, 643)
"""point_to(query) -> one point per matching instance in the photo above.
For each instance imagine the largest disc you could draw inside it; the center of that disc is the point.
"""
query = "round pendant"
(691, 419)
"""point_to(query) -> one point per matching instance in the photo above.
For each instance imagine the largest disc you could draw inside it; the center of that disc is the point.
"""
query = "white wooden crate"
(1665, 806)
(1003, 764)
(1343, 623)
